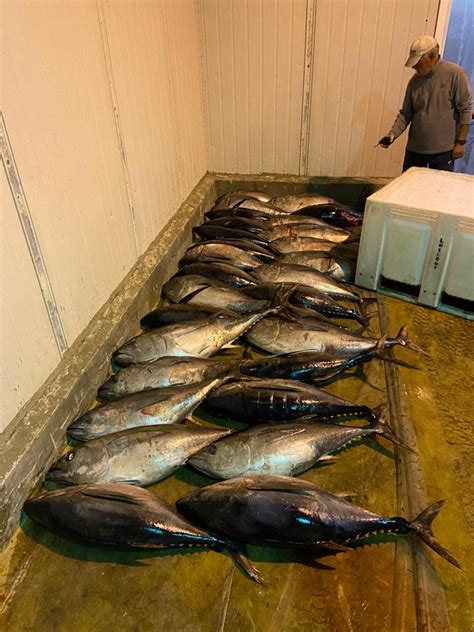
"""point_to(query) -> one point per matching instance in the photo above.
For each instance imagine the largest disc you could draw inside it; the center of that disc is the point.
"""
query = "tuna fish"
(277, 336)
(179, 288)
(303, 275)
(298, 244)
(288, 512)
(284, 449)
(227, 249)
(223, 272)
(306, 366)
(264, 400)
(338, 268)
(228, 200)
(298, 201)
(307, 297)
(201, 337)
(314, 231)
(149, 408)
(141, 456)
(163, 373)
(210, 232)
(172, 314)
(239, 223)
(125, 518)
(335, 214)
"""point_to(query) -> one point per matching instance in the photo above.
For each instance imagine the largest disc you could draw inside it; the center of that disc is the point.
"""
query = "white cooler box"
(417, 240)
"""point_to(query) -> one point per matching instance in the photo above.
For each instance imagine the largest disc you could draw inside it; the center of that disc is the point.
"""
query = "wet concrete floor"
(392, 584)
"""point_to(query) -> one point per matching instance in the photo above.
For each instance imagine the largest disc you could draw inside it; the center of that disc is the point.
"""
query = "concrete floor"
(49, 584)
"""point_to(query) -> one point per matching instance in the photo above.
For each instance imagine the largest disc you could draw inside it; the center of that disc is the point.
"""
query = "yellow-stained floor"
(49, 584)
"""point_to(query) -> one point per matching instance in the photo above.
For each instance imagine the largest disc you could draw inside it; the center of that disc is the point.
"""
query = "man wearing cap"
(437, 106)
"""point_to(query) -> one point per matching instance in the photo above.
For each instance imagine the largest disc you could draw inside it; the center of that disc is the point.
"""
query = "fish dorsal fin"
(278, 387)
(284, 484)
(135, 496)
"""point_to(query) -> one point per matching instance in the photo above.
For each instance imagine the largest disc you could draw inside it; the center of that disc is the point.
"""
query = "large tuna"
(276, 335)
(265, 400)
(140, 456)
(163, 373)
(291, 513)
(283, 449)
(149, 408)
(201, 337)
(126, 518)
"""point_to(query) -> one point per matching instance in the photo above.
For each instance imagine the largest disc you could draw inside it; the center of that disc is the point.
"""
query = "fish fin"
(346, 495)
(330, 544)
(402, 339)
(327, 458)
(284, 484)
(282, 295)
(279, 388)
(421, 525)
(380, 426)
(246, 566)
(109, 492)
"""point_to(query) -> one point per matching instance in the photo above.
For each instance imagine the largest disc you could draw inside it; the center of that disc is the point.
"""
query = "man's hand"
(386, 141)
(458, 151)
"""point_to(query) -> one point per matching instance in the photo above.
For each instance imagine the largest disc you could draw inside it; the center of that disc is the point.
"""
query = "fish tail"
(282, 295)
(421, 525)
(365, 315)
(246, 566)
(403, 340)
(380, 426)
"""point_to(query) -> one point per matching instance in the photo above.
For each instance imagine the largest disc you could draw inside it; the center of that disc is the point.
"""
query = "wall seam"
(32, 241)
(204, 82)
(116, 113)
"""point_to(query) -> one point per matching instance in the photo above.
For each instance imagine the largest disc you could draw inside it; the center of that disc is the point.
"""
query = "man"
(437, 106)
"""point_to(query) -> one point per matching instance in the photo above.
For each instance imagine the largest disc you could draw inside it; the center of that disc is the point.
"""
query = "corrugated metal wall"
(103, 108)
(259, 55)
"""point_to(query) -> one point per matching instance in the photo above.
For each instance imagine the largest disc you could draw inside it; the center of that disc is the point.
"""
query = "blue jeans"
(443, 161)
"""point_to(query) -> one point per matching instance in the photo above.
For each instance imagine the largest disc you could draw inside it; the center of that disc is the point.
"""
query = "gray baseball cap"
(420, 47)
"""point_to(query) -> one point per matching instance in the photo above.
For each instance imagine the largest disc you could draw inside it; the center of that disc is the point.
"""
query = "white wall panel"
(359, 79)
(27, 346)
(158, 86)
(104, 109)
(254, 61)
(58, 113)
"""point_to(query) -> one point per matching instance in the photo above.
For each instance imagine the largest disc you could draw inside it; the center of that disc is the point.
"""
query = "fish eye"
(212, 449)
(70, 456)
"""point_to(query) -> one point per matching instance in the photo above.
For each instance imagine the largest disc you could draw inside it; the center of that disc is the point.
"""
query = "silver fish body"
(279, 336)
(240, 253)
(228, 200)
(298, 201)
(283, 245)
(141, 456)
(228, 298)
(201, 337)
(314, 231)
(148, 408)
(337, 268)
(283, 450)
(162, 373)
(303, 275)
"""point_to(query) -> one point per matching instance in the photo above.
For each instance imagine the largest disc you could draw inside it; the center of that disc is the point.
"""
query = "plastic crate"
(417, 240)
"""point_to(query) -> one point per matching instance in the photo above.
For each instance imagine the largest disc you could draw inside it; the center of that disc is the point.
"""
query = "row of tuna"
(273, 275)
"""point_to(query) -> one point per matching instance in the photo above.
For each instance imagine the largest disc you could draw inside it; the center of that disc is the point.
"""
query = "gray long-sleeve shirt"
(434, 107)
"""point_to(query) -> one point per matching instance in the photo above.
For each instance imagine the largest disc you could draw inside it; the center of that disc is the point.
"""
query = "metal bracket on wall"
(24, 215)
